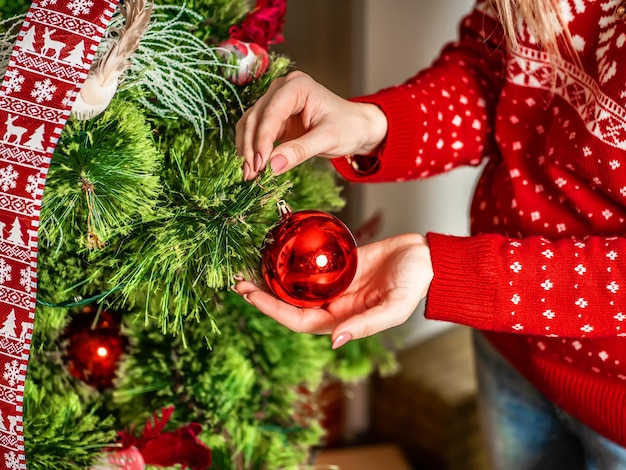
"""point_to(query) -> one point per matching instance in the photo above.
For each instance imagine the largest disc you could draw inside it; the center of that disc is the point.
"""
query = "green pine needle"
(60, 432)
(94, 165)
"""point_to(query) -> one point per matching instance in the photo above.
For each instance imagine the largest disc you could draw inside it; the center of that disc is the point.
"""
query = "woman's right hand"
(307, 120)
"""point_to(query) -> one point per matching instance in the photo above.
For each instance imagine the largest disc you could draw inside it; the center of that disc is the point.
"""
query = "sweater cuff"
(464, 288)
(401, 135)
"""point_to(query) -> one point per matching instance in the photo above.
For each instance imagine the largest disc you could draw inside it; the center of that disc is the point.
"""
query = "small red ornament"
(247, 61)
(309, 258)
(94, 347)
(121, 459)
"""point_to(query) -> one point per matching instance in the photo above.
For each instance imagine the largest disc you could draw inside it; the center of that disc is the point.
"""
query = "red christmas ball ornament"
(247, 60)
(122, 459)
(94, 347)
(309, 258)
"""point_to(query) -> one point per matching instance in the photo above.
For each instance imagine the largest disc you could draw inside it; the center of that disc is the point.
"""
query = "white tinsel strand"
(171, 63)
(9, 28)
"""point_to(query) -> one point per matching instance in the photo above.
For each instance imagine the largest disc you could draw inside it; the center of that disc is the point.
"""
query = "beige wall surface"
(400, 37)
(360, 46)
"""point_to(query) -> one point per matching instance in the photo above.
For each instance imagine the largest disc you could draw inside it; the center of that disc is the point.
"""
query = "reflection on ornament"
(309, 258)
(247, 61)
(94, 349)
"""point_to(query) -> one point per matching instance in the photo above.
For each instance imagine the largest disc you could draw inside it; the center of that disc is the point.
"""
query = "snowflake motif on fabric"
(14, 82)
(8, 178)
(601, 113)
(5, 272)
(80, 7)
(12, 461)
(570, 8)
(44, 91)
(68, 98)
(12, 372)
(25, 279)
(47, 65)
(31, 185)
(608, 40)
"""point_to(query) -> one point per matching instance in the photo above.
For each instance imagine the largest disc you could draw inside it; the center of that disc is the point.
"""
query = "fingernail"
(234, 289)
(246, 171)
(258, 162)
(278, 162)
(342, 339)
(245, 297)
(238, 277)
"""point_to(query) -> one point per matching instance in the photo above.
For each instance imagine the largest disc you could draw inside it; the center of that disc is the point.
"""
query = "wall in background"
(359, 46)
(401, 37)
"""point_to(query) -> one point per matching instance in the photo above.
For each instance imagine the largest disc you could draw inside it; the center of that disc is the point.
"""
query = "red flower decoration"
(263, 25)
(166, 449)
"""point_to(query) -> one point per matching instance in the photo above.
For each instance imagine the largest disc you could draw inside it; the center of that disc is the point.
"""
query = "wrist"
(374, 123)
(364, 160)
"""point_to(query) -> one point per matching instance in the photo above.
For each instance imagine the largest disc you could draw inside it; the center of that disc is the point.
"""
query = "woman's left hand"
(393, 275)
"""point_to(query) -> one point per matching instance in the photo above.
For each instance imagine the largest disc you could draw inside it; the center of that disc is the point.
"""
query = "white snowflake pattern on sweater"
(545, 269)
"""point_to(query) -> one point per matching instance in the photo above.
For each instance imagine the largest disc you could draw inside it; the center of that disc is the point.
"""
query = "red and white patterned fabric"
(49, 62)
(544, 272)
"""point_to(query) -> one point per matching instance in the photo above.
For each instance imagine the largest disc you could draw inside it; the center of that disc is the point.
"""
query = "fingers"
(248, 146)
(293, 112)
(264, 124)
(308, 320)
(290, 154)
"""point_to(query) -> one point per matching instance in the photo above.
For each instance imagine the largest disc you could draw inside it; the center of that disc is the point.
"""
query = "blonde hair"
(543, 19)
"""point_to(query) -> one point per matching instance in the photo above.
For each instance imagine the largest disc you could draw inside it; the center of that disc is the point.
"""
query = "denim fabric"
(525, 431)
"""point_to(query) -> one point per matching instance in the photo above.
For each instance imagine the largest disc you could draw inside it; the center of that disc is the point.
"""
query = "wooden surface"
(376, 457)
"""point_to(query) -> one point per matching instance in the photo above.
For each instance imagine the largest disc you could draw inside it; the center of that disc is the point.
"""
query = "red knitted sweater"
(544, 272)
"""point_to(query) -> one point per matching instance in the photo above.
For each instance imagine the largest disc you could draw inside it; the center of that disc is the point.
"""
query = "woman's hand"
(308, 120)
(393, 276)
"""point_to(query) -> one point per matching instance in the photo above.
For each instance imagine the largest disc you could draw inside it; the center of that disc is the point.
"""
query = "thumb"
(292, 153)
(374, 320)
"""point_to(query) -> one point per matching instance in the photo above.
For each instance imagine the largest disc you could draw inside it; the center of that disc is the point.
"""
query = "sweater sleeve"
(442, 117)
(531, 286)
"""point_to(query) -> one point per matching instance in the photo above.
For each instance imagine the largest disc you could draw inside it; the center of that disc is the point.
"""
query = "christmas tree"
(139, 354)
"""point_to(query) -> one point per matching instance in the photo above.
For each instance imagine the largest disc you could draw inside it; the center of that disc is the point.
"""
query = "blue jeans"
(525, 431)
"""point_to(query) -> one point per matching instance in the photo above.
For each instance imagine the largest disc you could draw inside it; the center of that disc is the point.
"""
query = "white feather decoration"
(105, 74)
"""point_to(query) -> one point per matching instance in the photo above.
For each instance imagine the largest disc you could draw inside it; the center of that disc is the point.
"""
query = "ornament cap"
(283, 208)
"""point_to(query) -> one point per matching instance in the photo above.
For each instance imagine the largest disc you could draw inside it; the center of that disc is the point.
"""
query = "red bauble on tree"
(309, 258)
(94, 347)
(247, 61)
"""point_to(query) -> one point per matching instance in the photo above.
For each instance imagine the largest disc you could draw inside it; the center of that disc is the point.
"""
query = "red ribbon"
(49, 63)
